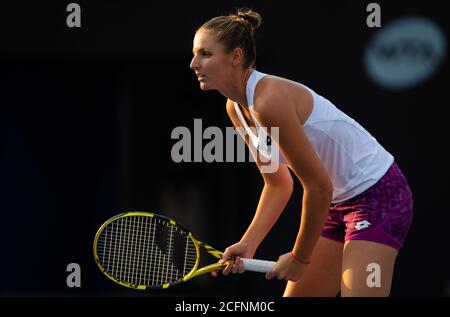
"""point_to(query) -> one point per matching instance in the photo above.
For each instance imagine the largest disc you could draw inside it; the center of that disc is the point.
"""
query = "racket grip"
(258, 265)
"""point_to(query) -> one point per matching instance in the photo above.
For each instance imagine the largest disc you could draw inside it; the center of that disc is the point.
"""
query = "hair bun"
(254, 18)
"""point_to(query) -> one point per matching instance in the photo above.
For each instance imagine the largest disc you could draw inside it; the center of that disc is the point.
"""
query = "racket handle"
(258, 265)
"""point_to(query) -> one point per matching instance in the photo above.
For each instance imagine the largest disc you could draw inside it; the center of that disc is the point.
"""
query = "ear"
(237, 56)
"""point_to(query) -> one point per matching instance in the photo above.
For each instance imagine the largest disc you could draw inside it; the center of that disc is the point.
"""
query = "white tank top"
(353, 158)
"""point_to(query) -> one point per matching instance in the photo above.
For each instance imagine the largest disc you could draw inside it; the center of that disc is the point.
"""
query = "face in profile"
(211, 63)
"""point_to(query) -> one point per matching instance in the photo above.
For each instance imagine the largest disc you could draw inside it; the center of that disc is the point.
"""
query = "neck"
(236, 90)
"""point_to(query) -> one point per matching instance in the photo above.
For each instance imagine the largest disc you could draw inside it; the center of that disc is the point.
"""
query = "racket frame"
(193, 273)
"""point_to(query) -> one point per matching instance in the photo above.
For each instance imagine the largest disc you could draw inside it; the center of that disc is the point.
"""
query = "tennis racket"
(144, 250)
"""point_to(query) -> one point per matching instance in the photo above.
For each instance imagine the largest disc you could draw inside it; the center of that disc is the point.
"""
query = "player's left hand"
(287, 268)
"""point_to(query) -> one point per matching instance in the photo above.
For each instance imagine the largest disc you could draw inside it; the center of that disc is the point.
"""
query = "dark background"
(86, 117)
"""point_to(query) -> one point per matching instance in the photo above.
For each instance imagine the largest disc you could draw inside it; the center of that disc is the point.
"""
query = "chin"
(205, 87)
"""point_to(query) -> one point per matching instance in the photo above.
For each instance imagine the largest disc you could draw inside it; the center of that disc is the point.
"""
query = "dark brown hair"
(236, 30)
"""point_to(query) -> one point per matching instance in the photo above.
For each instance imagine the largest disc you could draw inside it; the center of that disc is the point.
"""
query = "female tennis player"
(356, 204)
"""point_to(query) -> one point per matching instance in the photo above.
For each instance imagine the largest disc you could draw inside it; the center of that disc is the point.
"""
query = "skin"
(285, 104)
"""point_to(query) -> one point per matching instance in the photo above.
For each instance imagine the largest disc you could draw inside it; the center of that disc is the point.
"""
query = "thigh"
(323, 277)
(367, 268)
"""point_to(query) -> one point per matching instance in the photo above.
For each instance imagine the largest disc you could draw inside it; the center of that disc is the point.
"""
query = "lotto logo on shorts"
(362, 225)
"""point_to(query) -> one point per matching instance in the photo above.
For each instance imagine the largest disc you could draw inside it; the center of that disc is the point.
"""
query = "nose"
(194, 63)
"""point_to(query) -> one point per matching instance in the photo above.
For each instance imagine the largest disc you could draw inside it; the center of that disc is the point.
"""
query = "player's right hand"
(232, 257)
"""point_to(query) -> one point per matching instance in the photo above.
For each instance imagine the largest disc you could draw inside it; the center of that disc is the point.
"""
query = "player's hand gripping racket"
(145, 250)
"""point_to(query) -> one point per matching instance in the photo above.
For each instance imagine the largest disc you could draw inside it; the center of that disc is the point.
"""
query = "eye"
(206, 54)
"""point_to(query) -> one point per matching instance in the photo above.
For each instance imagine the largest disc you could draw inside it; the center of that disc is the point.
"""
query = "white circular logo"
(405, 53)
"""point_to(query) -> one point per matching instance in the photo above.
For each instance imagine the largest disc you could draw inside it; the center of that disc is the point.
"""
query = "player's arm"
(275, 110)
(277, 190)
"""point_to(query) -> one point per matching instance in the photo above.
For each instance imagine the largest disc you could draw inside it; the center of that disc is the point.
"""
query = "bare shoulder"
(276, 94)
(271, 91)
